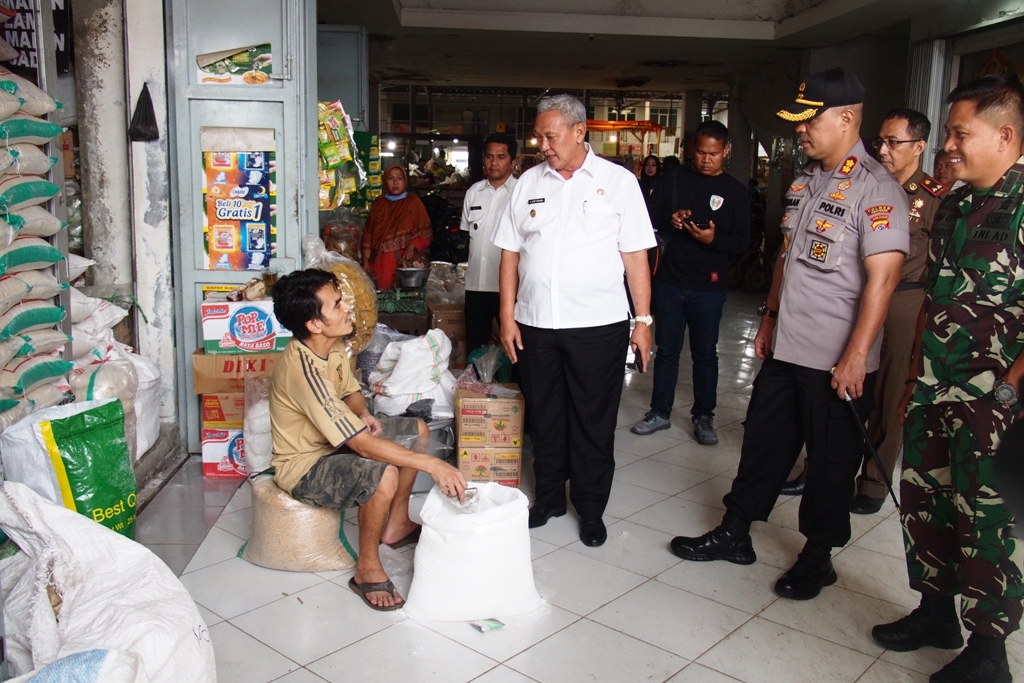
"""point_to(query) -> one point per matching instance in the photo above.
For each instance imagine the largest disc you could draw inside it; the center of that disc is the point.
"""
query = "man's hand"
(372, 423)
(640, 341)
(679, 217)
(511, 339)
(848, 376)
(763, 338)
(703, 236)
(449, 480)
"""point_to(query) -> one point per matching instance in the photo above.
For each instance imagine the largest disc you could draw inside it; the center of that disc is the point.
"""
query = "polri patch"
(848, 165)
(818, 251)
(536, 201)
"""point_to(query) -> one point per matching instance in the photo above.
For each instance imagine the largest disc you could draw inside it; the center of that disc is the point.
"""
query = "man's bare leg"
(372, 518)
(399, 525)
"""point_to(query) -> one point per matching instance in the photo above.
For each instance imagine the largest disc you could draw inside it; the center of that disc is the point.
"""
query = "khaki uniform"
(924, 195)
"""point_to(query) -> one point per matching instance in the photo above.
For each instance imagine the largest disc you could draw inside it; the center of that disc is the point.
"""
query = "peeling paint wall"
(150, 192)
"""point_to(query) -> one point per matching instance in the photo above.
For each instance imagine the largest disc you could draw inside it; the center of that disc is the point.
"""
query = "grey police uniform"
(834, 220)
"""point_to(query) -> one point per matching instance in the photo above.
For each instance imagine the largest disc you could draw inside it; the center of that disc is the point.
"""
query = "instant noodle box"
(224, 374)
(223, 411)
(241, 327)
(484, 420)
(223, 454)
(499, 465)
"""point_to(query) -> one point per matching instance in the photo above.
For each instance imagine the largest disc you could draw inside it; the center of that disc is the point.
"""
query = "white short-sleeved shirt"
(481, 211)
(569, 235)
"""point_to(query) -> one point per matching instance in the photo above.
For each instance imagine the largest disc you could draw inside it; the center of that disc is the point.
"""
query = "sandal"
(361, 589)
(411, 537)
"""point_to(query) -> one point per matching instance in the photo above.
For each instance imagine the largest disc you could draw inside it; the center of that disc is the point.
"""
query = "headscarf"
(395, 221)
(647, 182)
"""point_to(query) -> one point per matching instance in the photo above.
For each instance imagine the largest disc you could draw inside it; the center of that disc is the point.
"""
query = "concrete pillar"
(739, 134)
(103, 139)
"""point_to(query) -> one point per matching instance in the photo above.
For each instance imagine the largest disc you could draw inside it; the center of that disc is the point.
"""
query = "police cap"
(823, 89)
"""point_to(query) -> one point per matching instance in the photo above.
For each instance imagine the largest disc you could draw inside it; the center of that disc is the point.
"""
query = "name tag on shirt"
(536, 201)
(475, 208)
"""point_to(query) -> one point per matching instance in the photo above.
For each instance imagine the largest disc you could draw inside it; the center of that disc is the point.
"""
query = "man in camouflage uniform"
(970, 337)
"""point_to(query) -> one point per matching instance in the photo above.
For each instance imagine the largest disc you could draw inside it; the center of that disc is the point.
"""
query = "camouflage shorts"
(345, 479)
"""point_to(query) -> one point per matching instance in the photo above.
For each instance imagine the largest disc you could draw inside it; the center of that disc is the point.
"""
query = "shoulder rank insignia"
(796, 188)
(934, 187)
(848, 165)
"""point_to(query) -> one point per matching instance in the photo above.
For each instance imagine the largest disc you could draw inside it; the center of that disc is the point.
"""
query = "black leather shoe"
(866, 505)
(811, 572)
(982, 661)
(539, 516)
(933, 623)
(727, 542)
(592, 532)
(793, 487)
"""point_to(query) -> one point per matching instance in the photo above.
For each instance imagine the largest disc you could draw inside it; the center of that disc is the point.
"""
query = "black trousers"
(572, 382)
(792, 406)
(482, 308)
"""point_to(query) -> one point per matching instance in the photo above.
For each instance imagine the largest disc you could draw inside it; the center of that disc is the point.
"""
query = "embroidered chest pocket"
(990, 262)
(822, 244)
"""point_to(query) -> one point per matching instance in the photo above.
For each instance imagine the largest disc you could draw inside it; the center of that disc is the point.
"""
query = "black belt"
(907, 286)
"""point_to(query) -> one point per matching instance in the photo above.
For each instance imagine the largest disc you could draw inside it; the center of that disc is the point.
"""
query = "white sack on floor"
(114, 593)
(473, 566)
(102, 666)
(412, 370)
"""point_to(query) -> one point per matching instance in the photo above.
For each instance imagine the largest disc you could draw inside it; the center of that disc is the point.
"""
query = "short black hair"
(669, 161)
(714, 130)
(502, 139)
(994, 95)
(918, 124)
(296, 301)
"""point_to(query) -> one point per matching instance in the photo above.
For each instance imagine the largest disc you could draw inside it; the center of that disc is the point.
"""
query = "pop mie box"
(485, 420)
(223, 411)
(233, 327)
(223, 454)
(499, 465)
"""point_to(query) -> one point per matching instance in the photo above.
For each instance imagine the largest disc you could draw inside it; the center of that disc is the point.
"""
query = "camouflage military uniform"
(957, 530)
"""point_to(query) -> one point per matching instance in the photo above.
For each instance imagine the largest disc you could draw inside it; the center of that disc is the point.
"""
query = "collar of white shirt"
(588, 164)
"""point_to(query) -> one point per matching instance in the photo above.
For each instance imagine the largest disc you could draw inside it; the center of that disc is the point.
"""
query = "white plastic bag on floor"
(474, 566)
(110, 593)
(412, 370)
(102, 666)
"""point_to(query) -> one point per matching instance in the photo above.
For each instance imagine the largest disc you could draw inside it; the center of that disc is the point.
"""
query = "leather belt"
(906, 286)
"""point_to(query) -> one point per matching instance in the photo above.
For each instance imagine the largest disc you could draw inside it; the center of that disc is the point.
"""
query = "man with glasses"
(901, 141)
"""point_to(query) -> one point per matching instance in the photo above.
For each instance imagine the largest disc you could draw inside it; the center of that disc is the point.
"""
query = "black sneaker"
(651, 423)
(704, 430)
(982, 661)
(729, 541)
(811, 572)
(933, 623)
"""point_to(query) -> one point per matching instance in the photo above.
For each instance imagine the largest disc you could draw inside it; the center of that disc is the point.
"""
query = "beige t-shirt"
(308, 415)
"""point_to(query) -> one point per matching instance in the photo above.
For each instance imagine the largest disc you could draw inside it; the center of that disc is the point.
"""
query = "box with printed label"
(222, 374)
(223, 411)
(451, 319)
(223, 454)
(491, 464)
(233, 327)
(485, 420)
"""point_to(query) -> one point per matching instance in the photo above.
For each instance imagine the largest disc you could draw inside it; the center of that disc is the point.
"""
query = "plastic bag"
(85, 440)
(474, 566)
(143, 127)
(293, 536)
(342, 232)
(114, 378)
(488, 362)
(356, 288)
(382, 336)
(258, 442)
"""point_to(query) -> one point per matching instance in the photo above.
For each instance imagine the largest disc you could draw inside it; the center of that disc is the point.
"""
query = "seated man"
(327, 449)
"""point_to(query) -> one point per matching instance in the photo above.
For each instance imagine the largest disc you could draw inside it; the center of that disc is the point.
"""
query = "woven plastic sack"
(473, 566)
(35, 220)
(12, 291)
(109, 666)
(29, 159)
(27, 316)
(9, 104)
(18, 192)
(30, 129)
(28, 253)
(114, 378)
(23, 375)
(36, 101)
(41, 341)
(7, 51)
(275, 541)
(49, 395)
(42, 285)
(77, 265)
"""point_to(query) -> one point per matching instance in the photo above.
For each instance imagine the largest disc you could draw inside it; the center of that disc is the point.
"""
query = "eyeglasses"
(891, 143)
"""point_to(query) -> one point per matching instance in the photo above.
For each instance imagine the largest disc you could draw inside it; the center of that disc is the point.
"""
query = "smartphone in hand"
(702, 225)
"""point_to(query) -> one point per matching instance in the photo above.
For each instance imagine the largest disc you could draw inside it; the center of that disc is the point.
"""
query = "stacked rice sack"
(33, 375)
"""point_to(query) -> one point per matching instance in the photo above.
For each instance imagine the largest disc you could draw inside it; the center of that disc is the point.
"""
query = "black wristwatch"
(1004, 393)
(764, 310)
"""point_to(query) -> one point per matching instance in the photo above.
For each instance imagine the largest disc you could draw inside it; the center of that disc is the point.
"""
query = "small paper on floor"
(486, 625)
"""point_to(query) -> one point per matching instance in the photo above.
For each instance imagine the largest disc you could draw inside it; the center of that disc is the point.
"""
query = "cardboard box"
(483, 420)
(451, 319)
(223, 411)
(500, 465)
(232, 327)
(223, 454)
(222, 374)
(67, 152)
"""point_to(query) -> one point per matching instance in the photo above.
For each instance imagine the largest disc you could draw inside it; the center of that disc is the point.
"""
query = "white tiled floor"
(628, 611)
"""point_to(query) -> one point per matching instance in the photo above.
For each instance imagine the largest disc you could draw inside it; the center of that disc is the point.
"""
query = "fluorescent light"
(391, 144)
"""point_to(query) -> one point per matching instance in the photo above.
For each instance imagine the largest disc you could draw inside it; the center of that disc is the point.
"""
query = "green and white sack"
(28, 253)
(28, 159)
(27, 316)
(18, 192)
(23, 375)
(30, 129)
(36, 101)
(35, 221)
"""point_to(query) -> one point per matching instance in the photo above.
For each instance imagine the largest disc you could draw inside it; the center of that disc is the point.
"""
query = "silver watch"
(645, 319)
(1004, 393)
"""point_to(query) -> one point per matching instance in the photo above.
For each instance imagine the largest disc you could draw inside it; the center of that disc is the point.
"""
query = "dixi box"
(223, 374)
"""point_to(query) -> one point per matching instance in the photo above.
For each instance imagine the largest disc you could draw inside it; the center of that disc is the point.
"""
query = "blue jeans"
(674, 310)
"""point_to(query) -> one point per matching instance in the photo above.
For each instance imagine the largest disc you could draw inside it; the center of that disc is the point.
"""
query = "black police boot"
(811, 572)
(982, 661)
(729, 541)
(934, 623)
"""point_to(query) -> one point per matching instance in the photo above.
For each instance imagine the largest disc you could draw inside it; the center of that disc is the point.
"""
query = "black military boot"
(934, 622)
(730, 541)
(982, 661)
(811, 572)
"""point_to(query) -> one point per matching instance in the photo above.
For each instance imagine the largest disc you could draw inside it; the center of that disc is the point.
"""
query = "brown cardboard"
(67, 152)
(500, 465)
(451, 319)
(482, 420)
(225, 374)
(223, 411)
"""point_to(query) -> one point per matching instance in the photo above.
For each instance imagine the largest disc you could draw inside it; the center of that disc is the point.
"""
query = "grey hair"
(571, 109)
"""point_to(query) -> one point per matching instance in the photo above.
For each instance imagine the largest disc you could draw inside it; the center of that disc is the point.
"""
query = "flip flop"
(361, 589)
(411, 537)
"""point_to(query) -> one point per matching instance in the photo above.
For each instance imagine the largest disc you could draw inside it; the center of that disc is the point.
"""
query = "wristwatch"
(764, 310)
(1004, 393)
(645, 319)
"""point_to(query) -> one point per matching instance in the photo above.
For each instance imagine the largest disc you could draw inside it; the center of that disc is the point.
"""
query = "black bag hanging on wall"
(143, 128)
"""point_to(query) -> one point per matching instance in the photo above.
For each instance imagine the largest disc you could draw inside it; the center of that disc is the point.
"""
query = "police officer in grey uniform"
(845, 235)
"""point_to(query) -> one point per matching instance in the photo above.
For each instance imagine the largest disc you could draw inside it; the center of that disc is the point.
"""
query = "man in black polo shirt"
(705, 215)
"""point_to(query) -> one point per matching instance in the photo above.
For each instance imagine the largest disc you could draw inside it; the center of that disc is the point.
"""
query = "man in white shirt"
(481, 210)
(573, 226)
